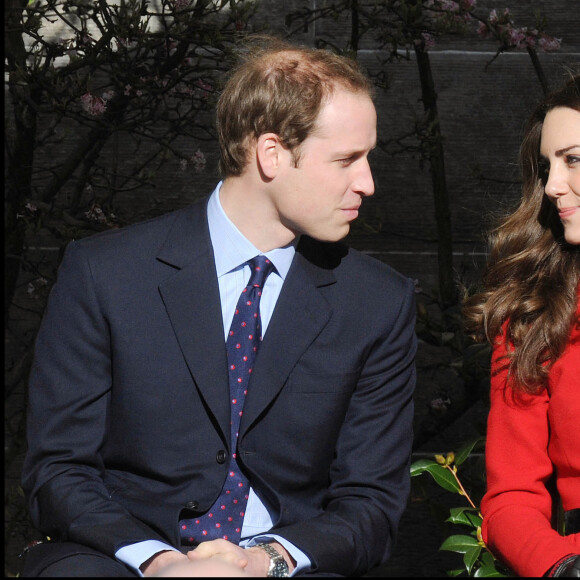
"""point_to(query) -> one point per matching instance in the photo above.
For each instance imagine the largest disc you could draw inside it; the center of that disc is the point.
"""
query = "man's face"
(321, 196)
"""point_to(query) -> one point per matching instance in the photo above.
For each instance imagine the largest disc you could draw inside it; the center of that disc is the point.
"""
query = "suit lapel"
(288, 334)
(191, 298)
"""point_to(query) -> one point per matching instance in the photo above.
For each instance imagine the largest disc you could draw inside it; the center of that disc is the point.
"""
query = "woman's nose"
(557, 184)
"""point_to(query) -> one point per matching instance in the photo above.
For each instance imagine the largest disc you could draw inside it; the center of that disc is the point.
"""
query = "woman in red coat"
(529, 311)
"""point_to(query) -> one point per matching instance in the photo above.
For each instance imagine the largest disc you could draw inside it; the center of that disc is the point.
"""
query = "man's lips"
(351, 212)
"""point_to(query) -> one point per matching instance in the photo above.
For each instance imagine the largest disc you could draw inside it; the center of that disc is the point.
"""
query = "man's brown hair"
(279, 88)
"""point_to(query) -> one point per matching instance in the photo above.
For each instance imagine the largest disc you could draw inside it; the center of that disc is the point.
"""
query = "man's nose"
(364, 183)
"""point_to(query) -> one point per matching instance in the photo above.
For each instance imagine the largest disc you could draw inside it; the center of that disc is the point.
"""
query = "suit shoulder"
(375, 267)
(353, 267)
(148, 234)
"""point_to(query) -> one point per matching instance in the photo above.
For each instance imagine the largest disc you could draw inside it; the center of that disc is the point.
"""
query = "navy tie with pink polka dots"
(224, 519)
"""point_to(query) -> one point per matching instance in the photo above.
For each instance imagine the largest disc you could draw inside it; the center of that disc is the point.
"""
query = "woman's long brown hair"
(532, 275)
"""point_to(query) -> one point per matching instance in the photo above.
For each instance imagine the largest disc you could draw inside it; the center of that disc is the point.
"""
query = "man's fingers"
(221, 549)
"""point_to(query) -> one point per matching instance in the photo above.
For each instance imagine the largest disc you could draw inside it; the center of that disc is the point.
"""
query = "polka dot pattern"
(225, 517)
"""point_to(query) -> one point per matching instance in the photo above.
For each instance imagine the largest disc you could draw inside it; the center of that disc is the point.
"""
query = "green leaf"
(454, 573)
(488, 572)
(464, 452)
(439, 473)
(420, 466)
(444, 478)
(487, 559)
(466, 516)
(459, 543)
(470, 557)
(488, 567)
(447, 336)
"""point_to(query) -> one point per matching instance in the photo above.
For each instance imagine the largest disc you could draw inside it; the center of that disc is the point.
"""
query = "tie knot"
(261, 267)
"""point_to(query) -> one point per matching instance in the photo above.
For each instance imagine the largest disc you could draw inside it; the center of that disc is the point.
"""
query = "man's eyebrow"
(356, 152)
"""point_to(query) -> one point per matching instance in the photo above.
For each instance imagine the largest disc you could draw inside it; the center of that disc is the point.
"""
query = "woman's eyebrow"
(561, 152)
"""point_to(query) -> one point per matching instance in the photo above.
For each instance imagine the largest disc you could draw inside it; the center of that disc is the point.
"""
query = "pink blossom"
(549, 43)
(203, 85)
(108, 95)
(182, 4)
(428, 39)
(483, 30)
(516, 38)
(35, 288)
(449, 6)
(126, 43)
(205, 88)
(198, 161)
(440, 404)
(84, 38)
(93, 105)
(493, 16)
(97, 215)
(468, 4)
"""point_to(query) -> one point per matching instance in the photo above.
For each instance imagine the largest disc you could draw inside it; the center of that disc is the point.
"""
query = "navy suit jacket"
(129, 403)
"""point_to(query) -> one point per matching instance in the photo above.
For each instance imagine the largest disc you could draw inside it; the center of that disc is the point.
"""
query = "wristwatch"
(278, 566)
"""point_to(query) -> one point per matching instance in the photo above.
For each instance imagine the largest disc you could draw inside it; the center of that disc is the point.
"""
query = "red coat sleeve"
(517, 506)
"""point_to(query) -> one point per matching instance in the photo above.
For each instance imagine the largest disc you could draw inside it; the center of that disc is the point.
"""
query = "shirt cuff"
(133, 555)
(302, 560)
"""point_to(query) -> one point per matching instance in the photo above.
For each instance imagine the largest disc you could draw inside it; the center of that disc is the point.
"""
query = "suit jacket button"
(221, 456)
(192, 505)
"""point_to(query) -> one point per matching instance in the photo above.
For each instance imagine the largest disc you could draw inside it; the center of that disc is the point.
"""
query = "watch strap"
(278, 566)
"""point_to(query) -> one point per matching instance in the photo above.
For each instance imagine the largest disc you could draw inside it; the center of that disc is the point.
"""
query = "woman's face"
(560, 155)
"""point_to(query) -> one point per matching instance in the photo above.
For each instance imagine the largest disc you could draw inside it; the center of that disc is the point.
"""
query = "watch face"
(280, 569)
(278, 566)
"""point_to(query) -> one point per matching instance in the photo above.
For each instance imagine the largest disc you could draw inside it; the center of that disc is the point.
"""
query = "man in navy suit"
(129, 415)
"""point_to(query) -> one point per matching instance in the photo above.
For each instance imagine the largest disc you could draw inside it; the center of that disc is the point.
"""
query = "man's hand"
(161, 560)
(170, 564)
(253, 561)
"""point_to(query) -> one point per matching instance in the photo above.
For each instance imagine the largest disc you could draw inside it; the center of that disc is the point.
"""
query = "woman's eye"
(572, 159)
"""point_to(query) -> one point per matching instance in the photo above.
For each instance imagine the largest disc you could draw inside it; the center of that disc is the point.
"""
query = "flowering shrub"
(502, 27)
(477, 558)
(93, 105)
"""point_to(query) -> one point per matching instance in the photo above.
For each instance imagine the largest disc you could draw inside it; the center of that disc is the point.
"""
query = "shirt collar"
(232, 249)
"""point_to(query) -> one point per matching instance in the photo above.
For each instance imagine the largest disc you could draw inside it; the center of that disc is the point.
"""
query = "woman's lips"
(567, 212)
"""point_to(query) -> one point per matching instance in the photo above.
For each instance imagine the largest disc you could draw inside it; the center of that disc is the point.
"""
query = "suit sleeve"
(69, 393)
(369, 478)
(517, 506)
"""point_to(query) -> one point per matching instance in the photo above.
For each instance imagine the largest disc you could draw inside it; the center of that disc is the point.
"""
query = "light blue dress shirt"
(232, 250)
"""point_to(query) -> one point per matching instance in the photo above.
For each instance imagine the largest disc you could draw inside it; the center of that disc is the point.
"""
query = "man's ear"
(270, 154)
